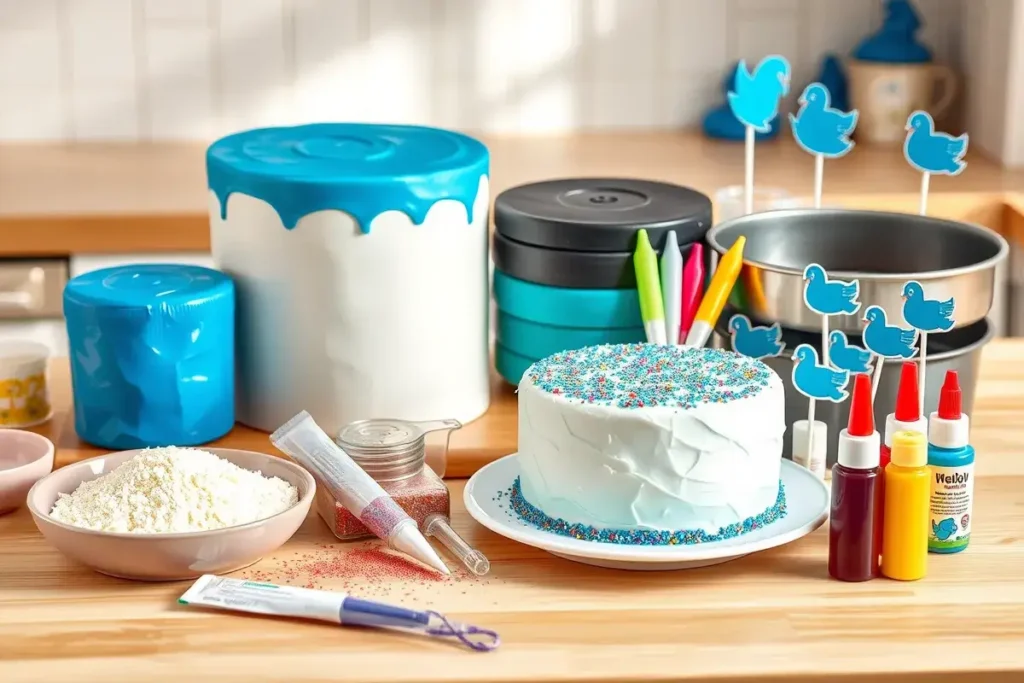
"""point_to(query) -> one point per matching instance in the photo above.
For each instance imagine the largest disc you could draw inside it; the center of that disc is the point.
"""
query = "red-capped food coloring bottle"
(852, 536)
(907, 418)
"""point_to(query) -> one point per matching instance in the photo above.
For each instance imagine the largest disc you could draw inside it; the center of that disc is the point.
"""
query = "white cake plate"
(807, 504)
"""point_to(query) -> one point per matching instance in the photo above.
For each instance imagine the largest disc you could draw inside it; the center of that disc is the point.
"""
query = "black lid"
(600, 214)
(571, 269)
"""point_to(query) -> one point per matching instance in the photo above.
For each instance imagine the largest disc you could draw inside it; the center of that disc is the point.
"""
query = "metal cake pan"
(882, 250)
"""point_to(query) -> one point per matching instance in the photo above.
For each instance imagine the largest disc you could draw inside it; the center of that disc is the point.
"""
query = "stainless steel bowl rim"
(1004, 248)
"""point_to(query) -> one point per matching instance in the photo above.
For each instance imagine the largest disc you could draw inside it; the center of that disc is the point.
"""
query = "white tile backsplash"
(102, 41)
(194, 69)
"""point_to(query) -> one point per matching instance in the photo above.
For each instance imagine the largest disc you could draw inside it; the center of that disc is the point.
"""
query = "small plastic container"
(401, 458)
(24, 395)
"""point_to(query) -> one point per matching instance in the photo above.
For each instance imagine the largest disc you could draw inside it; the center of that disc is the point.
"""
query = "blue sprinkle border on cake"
(531, 515)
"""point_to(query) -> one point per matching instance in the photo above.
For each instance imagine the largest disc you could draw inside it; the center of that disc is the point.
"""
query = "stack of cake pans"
(563, 261)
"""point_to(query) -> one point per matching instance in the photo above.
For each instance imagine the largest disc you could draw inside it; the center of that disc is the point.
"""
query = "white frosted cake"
(641, 443)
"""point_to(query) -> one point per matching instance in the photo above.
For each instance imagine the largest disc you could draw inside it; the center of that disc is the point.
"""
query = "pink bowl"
(175, 556)
(25, 458)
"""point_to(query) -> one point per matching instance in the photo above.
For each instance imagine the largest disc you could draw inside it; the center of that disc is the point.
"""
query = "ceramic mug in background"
(886, 94)
(24, 394)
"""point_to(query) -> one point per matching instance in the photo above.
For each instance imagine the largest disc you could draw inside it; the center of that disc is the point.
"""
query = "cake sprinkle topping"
(649, 375)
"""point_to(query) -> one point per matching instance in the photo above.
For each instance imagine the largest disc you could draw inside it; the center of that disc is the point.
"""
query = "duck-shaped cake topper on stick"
(932, 153)
(845, 356)
(754, 101)
(818, 382)
(756, 342)
(825, 297)
(886, 341)
(925, 315)
(822, 130)
(815, 380)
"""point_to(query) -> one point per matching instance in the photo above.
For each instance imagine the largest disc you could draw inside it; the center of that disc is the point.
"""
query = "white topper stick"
(925, 179)
(878, 375)
(819, 178)
(923, 355)
(748, 172)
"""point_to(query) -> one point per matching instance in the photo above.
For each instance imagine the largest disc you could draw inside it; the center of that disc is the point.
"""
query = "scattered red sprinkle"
(365, 569)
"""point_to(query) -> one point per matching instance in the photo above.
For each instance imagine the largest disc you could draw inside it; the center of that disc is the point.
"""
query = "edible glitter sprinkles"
(534, 517)
(650, 375)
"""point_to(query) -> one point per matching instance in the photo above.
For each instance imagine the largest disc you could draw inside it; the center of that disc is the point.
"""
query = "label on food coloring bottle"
(951, 497)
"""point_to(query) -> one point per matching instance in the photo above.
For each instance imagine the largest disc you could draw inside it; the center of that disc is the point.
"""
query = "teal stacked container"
(563, 261)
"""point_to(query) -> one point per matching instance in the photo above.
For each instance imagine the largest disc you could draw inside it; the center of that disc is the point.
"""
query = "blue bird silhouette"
(722, 124)
(817, 381)
(944, 529)
(756, 342)
(755, 98)
(845, 356)
(819, 128)
(927, 315)
(887, 340)
(931, 152)
(829, 297)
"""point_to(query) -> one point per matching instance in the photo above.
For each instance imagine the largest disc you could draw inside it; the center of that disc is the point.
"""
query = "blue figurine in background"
(931, 152)
(817, 381)
(829, 297)
(886, 340)
(927, 315)
(846, 356)
(756, 95)
(896, 41)
(756, 342)
(720, 123)
(819, 128)
(833, 78)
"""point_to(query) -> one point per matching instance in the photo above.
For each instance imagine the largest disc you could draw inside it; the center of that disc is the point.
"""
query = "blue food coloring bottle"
(951, 459)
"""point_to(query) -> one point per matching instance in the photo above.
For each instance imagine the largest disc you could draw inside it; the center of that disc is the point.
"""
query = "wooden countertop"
(124, 198)
(773, 616)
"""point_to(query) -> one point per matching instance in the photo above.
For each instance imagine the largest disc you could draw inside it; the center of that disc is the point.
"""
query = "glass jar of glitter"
(394, 453)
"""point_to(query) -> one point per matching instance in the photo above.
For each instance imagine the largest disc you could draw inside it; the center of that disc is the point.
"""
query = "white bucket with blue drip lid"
(360, 256)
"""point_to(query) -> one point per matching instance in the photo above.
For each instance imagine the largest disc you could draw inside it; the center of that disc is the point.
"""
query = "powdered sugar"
(174, 490)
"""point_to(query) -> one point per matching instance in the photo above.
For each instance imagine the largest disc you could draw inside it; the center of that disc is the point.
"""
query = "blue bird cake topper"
(846, 356)
(926, 315)
(755, 97)
(754, 101)
(885, 340)
(815, 380)
(819, 128)
(829, 297)
(755, 342)
(932, 153)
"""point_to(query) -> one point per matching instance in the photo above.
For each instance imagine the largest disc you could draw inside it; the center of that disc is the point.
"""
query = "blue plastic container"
(565, 307)
(538, 340)
(511, 365)
(152, 355)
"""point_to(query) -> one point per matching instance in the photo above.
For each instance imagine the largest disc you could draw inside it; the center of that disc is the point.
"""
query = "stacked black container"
(563, 257)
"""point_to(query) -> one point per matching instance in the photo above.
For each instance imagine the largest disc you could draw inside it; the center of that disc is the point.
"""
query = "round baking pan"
(560, 306)
(600, 214)
(511, 365)
(537, 340)
(571, 269)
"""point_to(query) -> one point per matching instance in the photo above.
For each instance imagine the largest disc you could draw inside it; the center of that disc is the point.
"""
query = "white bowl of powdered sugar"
(165, 514)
